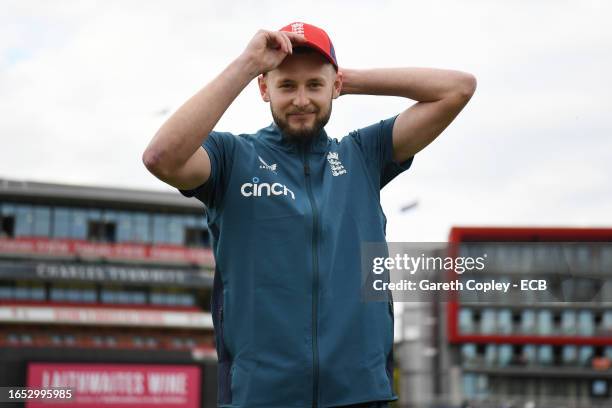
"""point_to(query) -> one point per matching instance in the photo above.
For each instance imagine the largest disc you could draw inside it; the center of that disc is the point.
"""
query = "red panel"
(526, 234)
(91, 250)
(160, 308)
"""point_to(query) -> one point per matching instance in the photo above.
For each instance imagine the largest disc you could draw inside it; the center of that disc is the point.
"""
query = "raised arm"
(441, 95)
(175, 154)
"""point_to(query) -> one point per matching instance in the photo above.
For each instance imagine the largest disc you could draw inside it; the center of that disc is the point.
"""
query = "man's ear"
(263, 88)
(337, 85)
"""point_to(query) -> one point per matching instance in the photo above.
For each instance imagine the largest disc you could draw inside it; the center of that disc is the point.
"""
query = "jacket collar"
(274, 136)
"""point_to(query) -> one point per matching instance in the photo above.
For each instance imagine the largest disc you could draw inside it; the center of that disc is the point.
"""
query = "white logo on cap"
(298, 28)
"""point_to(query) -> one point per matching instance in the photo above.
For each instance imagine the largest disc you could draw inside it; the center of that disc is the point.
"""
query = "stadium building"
(110, 288)
(549, 348)
(99, 284)
(532, 347)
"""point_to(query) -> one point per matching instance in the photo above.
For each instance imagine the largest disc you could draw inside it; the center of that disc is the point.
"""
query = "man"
(288, 209)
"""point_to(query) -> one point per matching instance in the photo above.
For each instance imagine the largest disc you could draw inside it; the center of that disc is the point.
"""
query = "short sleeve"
(219, 146)
(376, 144)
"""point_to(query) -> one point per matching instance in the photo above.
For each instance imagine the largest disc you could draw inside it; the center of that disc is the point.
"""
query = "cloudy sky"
(85, 84)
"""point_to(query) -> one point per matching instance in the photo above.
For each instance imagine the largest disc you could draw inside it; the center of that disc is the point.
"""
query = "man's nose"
(301, 98)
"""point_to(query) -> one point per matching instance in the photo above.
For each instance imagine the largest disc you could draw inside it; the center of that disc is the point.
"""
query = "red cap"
(316, 38)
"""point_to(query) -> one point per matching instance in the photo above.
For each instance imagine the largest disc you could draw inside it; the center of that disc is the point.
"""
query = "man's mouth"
(301, 115)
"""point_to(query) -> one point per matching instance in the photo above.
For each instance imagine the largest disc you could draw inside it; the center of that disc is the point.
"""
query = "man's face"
(300, 92)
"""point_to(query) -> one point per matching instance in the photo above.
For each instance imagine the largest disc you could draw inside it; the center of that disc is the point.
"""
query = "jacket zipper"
(315, 284)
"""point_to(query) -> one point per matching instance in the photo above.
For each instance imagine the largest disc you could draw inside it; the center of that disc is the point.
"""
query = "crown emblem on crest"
(298, 28)
(335, 164)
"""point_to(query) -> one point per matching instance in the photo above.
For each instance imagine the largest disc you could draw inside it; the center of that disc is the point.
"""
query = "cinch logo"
(256, 189)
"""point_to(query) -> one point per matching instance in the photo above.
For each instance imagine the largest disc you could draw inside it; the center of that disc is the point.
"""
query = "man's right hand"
(268, 49)
(175, 154)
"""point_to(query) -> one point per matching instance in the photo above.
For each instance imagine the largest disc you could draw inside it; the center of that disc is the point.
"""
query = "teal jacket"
(287, 223)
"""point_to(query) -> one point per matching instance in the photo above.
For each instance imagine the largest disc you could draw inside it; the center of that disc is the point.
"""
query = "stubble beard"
(303, 134)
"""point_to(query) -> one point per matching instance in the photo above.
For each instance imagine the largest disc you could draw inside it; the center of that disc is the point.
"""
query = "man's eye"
(316, 85)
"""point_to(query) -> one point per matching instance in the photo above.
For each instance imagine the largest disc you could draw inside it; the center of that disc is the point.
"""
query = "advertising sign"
(117, 385)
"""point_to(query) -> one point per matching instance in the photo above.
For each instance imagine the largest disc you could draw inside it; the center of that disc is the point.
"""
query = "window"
(600, 388)
(186, 299)
(172, 297)
(7, 220)
(545, 355)
(568, 322)
(160, 229)
(176, 230)
(121, 296)
(78, 224)
(138, 298)
(100, 231)
(88, 295)
(196, 237)
(37, 293)
(529, 354)
(110, 216)
(57, 295)
(545, 323)
(140, 230)
(157, 299)
(505, 354)
(487, 324)
(469, 354)
(61, 222)
(569, 355)
(29, 291)
(24, 219)
(6, 292)
(195, 232)
(92, 224)
(504, 321)
(74, 293)
(469, 385)
(124, 227)
(491, 355)
(7, 229)
(585, 355)
(586, 324)
(528, 321)
(42, 221)
(130, 226)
